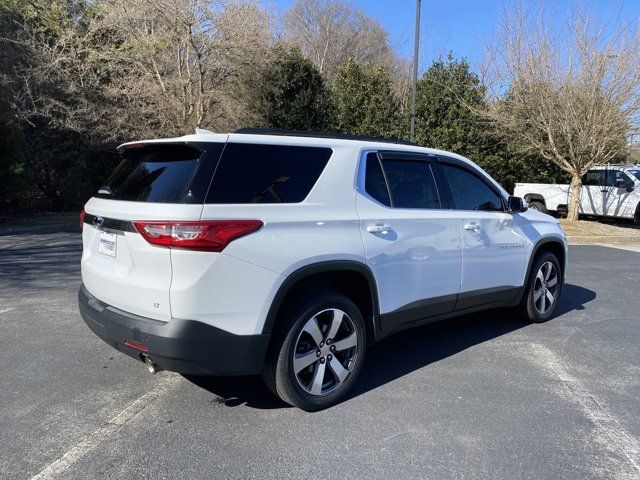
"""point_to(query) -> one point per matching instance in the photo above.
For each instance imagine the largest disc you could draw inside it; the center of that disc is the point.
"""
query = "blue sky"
(462, 25)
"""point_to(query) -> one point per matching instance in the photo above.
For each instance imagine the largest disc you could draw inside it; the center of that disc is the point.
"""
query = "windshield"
(636, 173)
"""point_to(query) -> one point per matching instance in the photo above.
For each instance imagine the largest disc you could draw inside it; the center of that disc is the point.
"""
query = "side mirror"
(630, 188)
(517, 205)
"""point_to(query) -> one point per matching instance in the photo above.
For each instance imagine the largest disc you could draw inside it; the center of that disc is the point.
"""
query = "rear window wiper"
(272, 190)
(105, 190)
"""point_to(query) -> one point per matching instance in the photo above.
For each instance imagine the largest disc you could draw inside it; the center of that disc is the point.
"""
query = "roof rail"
(312, 134)
(627, 165)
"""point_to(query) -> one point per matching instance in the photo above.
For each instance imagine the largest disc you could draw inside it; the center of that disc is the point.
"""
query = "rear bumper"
(183, 346)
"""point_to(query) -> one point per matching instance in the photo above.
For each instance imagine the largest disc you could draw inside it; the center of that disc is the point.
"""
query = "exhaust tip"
(151, 365)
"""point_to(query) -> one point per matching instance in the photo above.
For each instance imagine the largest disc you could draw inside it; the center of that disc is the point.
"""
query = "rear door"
(494, 244)
(411, 243)
(592, 192)
(154, 181)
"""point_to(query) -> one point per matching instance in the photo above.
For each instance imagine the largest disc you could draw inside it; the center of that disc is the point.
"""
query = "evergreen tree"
(447, 96)
(443, 119)
(290, 93)
(365, 103)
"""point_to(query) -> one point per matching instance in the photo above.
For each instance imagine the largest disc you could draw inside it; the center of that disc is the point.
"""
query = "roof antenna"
(202, 131)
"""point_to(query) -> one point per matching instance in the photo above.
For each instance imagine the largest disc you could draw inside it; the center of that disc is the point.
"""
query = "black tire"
(539, 206)
(530, 307)
(288, 340)
(636, 216)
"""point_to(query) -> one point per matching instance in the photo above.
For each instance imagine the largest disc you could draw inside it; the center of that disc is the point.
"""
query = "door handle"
(383, 229)
(604, 190)
(474, 227)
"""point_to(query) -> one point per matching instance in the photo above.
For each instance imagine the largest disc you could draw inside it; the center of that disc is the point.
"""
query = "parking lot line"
(165, 383)
(7, 310)
(620, 438)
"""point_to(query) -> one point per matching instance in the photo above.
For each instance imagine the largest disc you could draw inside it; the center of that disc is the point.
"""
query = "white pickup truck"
(607, 191)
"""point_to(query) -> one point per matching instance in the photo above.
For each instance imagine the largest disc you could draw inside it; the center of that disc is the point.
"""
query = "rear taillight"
(82, 214)
(210, 236)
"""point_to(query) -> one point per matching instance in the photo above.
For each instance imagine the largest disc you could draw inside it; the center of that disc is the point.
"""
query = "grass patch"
(600, 232)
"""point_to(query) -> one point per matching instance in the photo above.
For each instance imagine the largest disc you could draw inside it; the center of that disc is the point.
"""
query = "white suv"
(286, 254)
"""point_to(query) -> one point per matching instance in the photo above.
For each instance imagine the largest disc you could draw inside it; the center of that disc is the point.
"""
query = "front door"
(494, 255)
(411, 244)
(617, 194)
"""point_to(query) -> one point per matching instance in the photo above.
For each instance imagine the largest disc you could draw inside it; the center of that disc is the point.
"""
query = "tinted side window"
(615, 176)
(153, 173)
(592, 178)
(411, 184)
(375, 184)
(470, 192)
(250, 173)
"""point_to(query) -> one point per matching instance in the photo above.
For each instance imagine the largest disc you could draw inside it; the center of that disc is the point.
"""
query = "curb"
(612, 240)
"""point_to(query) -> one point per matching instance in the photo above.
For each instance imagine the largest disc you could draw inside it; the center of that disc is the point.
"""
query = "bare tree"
(107, 71)
(330, 32)
(145, 68)
(181, 56)
(50, 81)
(55, 93)
(573, 98)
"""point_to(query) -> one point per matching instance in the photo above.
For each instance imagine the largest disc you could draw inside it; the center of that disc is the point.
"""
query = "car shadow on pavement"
(399, 354)
(573, 298)
(234, 391)
(413, 349)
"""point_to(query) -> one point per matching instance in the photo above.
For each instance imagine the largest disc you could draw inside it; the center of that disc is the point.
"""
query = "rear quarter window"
(253, 173)
(153, 173)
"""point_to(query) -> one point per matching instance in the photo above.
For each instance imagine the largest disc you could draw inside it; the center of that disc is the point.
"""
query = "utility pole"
(416, 46)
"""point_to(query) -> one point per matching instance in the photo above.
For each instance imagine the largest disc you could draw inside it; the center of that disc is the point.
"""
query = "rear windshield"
(153, 173)
(250, 173)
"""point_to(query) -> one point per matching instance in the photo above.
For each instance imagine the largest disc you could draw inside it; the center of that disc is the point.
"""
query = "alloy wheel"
(545, 288)
(325, 352)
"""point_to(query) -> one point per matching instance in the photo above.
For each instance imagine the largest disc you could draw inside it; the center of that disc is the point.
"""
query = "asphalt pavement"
(484, 396)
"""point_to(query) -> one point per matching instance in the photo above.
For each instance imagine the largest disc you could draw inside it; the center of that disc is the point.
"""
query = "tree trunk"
(574, 203)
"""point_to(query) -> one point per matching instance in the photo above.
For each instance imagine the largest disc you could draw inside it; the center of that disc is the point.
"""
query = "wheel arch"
(351, 278)
(551, 244)
(535, 197)
(554, 245)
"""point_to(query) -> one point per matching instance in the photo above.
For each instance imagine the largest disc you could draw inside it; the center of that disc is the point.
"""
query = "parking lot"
(483, 396)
